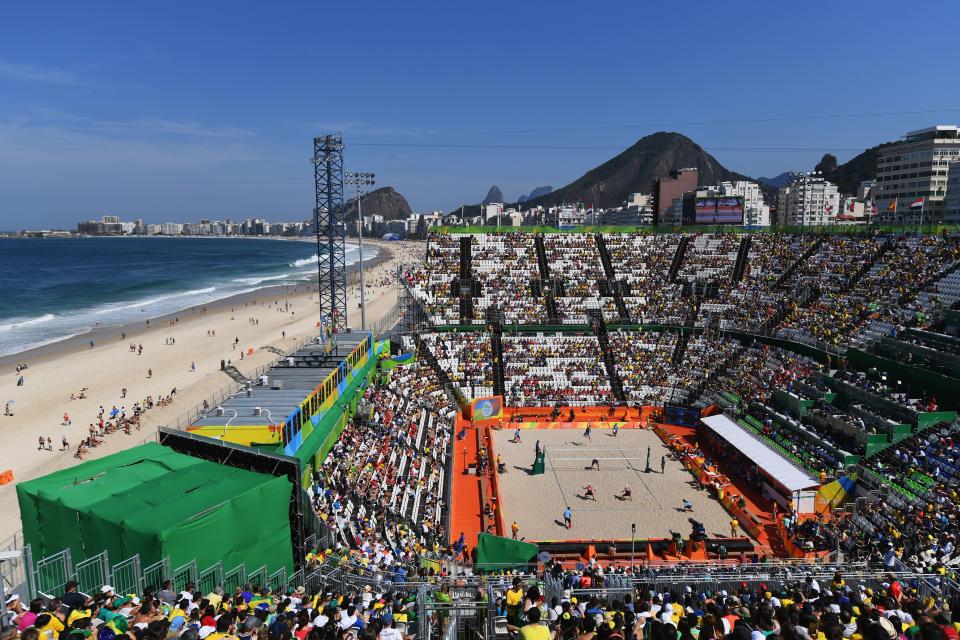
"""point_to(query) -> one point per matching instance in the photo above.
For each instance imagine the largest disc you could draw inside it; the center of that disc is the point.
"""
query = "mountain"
(850, 174)
(776, 181)
(536, 193)
(384, 201)
(634, 170)
(494, 195)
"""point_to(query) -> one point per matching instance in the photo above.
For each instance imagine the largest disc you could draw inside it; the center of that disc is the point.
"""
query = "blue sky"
(182, 110)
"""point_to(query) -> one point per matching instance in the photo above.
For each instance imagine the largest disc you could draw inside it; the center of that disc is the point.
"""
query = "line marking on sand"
(637, 473)
(589, 458)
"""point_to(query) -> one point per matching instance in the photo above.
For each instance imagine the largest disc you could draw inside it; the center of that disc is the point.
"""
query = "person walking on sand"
(568, 518)
(734, 527)
(193, 366)
(663, 464)
(616, 429)
(65, 444)
(43, 444)
(49, 443)
(515, 528)
(687, 505)
(149, 373)
(516, 436)
(586, 432)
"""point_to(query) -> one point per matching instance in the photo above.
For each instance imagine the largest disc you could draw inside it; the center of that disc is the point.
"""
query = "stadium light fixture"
(360, 179)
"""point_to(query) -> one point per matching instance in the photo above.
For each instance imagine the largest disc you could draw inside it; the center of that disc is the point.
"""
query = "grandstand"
(782, 405)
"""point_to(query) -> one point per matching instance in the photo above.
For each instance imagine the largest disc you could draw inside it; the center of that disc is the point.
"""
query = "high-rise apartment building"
(808, 201)
(912, 175)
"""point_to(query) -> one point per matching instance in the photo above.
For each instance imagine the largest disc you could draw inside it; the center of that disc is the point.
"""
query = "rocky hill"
(633, 170)
(384, 201)
(850, 174)
(493, 195)
(536, 193)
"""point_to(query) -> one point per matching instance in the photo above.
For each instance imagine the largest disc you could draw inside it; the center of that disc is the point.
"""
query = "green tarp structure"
(157, 503)
(495, 552)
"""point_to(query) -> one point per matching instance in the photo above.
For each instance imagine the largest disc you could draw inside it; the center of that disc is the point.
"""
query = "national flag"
(893, 205)
(917, 204)
(873, 210)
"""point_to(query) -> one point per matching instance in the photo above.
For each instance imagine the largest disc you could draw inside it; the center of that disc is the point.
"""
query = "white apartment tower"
(756, 212)
(808, 201)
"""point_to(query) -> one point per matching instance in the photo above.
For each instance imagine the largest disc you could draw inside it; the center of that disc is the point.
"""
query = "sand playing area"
(537, 502)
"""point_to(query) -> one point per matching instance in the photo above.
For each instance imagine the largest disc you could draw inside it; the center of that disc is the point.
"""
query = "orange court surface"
(537, 502)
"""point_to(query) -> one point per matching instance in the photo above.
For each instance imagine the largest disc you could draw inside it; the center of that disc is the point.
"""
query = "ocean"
(56, 288)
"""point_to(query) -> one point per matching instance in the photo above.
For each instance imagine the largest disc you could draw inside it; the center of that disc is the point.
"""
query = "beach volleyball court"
(537, 502)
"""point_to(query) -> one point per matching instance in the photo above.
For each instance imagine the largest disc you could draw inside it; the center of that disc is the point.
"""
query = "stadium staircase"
(613, 287)
(547, 285)
(680, 348)
(466, 280)
(866, 266)
(799, 261)
(496, 344)
(678, 258)
(600, 330)
(742, 256)
(235, 374)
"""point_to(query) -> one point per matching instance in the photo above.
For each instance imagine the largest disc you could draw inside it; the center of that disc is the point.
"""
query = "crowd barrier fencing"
(48, 576)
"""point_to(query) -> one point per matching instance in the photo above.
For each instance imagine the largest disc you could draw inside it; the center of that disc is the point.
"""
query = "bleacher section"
(543, 370)
(467, 359)
(577, 273)
(506, 267)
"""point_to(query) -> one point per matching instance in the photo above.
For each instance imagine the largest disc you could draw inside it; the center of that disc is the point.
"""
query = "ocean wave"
(17, 322)
(260, 279)
(350, 249)
(302, 262)
(151, 301)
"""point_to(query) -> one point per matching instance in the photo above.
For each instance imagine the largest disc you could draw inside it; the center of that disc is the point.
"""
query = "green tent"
(495, 552)
(155, 502)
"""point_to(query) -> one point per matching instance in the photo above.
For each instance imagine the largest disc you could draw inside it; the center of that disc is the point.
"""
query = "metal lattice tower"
(330, 225)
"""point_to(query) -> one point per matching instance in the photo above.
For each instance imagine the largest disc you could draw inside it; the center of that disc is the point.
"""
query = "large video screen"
(719, 210)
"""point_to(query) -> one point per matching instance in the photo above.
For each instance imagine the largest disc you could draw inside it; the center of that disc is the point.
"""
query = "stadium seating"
(467, 359)
(383, 481)
(642, 263)
(543, 370)
(506, 267)
(577, 271)
(643, 362)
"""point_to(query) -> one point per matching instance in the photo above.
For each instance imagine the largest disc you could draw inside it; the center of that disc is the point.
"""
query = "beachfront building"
(808, 200)
(951, 207)
(912, 175)
(106, 226)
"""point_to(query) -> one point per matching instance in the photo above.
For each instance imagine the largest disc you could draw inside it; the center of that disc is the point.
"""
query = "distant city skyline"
(180, 114)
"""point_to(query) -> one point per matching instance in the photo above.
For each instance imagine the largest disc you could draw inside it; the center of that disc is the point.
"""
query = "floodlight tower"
(329, 223)
(361, 179)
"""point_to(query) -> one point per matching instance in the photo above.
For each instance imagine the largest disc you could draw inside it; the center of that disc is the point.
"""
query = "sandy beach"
(179, 351)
